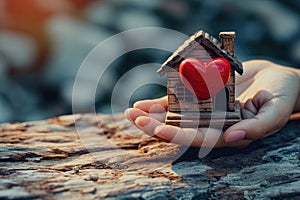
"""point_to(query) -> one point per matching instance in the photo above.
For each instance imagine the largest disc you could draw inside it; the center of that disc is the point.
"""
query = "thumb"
(266, 118)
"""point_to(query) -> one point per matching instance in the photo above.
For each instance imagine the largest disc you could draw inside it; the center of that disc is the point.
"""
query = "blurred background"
(43, 43)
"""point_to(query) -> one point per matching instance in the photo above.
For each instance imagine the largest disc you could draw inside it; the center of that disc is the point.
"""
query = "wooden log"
(104, 157)
(52, 160)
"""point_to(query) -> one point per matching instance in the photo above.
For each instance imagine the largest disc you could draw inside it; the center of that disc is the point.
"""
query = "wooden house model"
(184, 109)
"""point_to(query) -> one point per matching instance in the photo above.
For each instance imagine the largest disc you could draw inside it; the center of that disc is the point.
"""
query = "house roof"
(205, 40)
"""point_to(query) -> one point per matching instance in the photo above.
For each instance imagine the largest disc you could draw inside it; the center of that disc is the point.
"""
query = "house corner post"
(227, 43)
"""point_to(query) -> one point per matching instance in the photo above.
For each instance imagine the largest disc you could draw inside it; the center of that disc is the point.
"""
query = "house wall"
(180, 99)
(231, 89)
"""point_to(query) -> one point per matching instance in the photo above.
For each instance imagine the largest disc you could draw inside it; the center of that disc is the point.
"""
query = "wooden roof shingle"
(208, 42)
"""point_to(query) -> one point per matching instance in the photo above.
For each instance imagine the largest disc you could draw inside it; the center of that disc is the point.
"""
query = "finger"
(189, 136)
(249, 72)
(177, 135)
(153, 106)
(147, 124)
(251, 68)
(248, 109)
(195, 137)
(133, 113)
(239, 144)
(267, 120)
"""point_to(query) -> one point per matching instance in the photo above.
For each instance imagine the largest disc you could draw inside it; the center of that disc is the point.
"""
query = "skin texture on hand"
(268, 93)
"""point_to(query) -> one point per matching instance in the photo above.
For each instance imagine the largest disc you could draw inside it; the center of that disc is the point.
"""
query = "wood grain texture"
(183, 116)
(207, 42)
(202, 46)
(105, 157)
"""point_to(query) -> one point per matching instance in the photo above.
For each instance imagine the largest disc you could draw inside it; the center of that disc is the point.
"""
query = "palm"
(266, 92)
(265, 87)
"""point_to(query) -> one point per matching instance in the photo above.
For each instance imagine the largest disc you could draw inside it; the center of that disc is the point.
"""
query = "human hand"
(268, 93)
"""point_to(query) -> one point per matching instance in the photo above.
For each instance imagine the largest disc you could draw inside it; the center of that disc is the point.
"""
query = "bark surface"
(105, 157)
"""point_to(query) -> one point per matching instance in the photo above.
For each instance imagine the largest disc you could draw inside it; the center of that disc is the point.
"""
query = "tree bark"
(104, 157)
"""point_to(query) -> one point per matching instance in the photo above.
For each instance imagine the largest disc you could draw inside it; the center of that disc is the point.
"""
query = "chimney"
(227, 39)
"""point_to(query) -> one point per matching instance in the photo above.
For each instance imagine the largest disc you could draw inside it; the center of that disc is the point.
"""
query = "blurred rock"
(252, 30)
(176, 9)
(19, 50)
(281, 22)
(127, 85)
(73, 40)
(3, 66)
(102, 13)
(87, 92)
(5, 110)
(295, 51)
(54, 5)
(153, 4)
(132, 18)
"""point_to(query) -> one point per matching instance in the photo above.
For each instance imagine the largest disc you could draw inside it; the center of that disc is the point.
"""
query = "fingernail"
(127, 115)
(142, 121)
(234, 136)
(135, 104)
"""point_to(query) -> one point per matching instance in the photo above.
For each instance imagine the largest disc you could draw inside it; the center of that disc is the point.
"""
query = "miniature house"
(182, 103)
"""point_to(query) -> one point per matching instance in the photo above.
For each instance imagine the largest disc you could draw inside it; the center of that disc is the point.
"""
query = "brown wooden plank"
(199, 54)
(173, 74)
(204, 115)
(206, 105)
(203, 119)
(231, 99)
(173, 82)
(172, 98)
(230, 89)
(202, 123)
(170, 91)
(173, 108)
(206, 101)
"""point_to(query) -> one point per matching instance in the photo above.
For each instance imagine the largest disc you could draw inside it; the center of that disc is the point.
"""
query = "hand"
(268, 93)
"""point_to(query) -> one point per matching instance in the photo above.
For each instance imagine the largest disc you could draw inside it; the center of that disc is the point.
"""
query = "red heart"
(204, 79)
